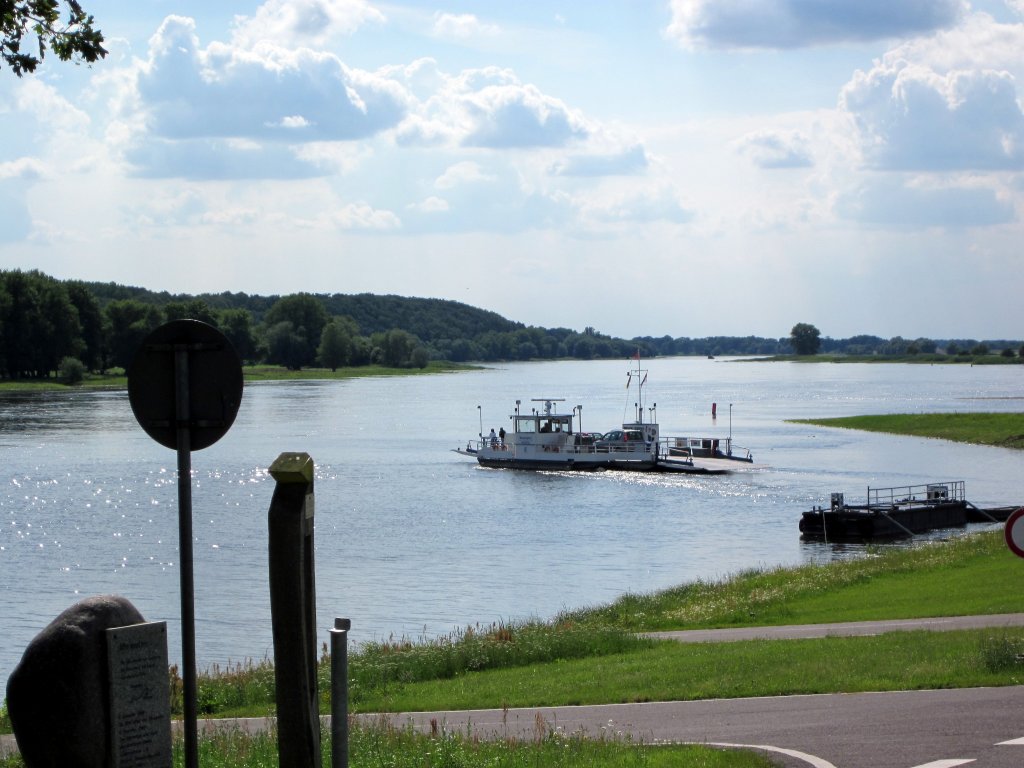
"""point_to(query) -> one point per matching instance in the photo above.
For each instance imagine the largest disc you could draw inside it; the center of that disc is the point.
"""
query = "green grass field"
(1005, 430)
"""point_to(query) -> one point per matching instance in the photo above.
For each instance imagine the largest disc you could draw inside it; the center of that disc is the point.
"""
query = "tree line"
(50, 326)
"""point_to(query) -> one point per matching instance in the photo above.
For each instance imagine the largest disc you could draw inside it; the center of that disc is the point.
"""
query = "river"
(414, 540)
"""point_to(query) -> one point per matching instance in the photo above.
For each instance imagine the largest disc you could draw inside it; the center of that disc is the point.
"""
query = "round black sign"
(211, 378)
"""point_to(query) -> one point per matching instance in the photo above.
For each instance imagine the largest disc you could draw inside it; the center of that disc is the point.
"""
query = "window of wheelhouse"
(526, 424)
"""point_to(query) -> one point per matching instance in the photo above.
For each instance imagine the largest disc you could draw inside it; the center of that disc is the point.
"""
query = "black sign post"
(185, 386)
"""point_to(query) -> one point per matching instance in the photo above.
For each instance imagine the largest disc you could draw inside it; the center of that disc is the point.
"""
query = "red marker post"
(1014, 532)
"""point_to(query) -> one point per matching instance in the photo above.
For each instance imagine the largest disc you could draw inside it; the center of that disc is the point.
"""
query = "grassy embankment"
(1005, 430)
(116, 379)
(919, 359)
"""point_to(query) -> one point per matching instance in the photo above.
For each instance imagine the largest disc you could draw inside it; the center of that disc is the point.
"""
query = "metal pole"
(339, 693)
(188, 620)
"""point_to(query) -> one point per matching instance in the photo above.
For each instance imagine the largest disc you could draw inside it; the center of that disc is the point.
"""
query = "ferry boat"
(547, 437)
(898, 512)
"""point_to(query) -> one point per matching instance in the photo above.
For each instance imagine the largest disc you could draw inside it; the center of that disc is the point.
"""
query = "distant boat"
(545, 438)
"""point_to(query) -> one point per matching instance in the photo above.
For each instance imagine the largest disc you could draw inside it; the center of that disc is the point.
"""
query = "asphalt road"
(983, 727)
(909, 729)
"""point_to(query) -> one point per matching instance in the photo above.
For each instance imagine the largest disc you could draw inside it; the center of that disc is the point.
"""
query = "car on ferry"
(618, 439)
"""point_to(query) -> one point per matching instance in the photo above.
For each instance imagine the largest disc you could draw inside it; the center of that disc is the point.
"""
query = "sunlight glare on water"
(412, 538)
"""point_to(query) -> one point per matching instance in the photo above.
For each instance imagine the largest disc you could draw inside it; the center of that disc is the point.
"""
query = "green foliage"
(389, 330)
(335, 345)
(128, 323)
(1002, 652)
(193, 309)
(236, 324)
(294, 345)
(805, 339)
(39, 325)
(38, 22)
(71, 370)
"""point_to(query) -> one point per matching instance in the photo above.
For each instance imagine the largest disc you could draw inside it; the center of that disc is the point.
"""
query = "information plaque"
(140, 696)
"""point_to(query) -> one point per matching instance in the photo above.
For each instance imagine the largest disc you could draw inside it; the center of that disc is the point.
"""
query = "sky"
(682, 167)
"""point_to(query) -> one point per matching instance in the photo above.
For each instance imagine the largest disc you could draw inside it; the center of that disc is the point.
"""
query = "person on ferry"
(501, 437)
(493, 438)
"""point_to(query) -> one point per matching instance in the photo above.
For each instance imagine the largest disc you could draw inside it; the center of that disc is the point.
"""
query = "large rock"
(57, 695)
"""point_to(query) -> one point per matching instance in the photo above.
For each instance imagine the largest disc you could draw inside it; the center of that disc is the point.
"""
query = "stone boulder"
(57, 695)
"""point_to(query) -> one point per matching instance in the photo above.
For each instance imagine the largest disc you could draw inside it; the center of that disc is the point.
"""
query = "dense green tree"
(396, 347)
(334, 346)
(236, 324)
(307, 317)
(286, 346)
(128, 323)
(190, 309)
(39, 325)
(90, 317)
(805, 338)
(361, 352)
(29, 27)
(420, 357)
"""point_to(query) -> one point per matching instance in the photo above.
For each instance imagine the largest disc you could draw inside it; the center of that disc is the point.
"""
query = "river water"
(414, 540)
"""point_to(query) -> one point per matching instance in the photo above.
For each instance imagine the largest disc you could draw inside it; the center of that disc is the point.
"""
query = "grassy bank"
(116, 379)
(594, 656)
(383, 746)
(919, 359)
(1005, 430)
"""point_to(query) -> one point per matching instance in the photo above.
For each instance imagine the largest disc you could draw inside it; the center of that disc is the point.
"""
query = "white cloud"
(465, 172)
(432, 204)
(24, 168)
(910, 117)
(366, 217)
(462, 26)
(775, 149)
(190, 106)
(303, 23)
(516, 116)
(627, 161)
(49, 107)
(798, 23)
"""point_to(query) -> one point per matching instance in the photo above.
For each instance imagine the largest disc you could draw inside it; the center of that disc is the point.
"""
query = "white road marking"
(811, 760)
(1012, 743)
(945, 763)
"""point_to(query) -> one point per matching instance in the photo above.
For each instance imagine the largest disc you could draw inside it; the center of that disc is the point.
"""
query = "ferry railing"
(908, 495)
(628, 447)
(704, 446)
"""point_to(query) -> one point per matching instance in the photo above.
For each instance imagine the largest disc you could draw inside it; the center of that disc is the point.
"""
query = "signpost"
(1014, 532)
(185, 387)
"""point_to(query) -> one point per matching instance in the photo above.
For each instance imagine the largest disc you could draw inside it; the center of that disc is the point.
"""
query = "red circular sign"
(1014, 532)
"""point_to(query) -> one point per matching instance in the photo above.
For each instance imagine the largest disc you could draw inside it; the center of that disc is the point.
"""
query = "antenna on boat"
(480, 413)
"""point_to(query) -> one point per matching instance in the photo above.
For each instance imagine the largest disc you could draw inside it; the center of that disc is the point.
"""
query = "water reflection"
(412, 538)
